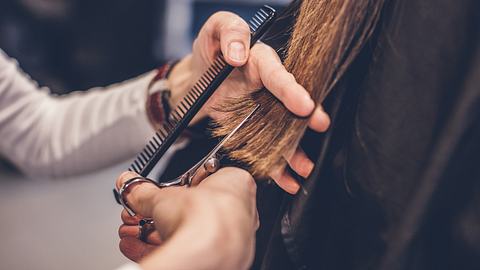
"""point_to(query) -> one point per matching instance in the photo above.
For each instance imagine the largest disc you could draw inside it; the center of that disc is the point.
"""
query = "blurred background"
(72, 45)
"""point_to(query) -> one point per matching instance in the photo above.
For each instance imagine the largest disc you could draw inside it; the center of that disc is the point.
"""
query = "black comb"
(179, 119)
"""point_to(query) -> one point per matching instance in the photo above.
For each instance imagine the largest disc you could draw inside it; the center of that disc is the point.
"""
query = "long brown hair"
(327, 36)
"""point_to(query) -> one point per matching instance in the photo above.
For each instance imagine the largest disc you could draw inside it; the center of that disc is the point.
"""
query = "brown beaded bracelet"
(158, 100)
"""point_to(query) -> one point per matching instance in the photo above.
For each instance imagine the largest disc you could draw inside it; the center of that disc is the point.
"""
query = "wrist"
(168, 88)
(158, 96)
(179, 80)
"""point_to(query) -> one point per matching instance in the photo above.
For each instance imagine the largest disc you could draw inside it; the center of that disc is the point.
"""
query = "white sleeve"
(46, 135)
(130, 266)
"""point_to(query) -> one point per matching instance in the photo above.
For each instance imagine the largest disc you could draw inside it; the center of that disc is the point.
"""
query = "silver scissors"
(206, 166)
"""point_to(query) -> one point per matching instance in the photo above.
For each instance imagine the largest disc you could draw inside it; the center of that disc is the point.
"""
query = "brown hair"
(327, 36)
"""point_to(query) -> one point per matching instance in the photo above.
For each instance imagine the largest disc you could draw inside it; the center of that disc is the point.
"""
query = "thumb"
(165, 206)
(231, 32)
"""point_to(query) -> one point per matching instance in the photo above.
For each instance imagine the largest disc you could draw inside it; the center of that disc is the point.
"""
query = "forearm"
(94, 129)
(54, 136)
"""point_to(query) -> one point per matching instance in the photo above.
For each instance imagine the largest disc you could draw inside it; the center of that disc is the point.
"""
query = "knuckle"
(259, 48)
(196, 43)
(237, 174)
(238, 24)
(128, 250)
(274, 77)
(265, 50)
(120, 231)
(255, 57)
(264, 47)
(124, 177)
(234, 23)
(221, 15)
(124, 216)
(245, 177)
(215, 18)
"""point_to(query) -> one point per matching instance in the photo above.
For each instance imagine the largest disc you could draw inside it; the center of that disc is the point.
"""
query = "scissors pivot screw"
(212, 165)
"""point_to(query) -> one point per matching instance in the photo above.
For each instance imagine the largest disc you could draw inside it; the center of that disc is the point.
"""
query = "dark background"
(78, 44)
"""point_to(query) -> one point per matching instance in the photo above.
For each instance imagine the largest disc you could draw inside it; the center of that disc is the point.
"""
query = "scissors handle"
(206, 166)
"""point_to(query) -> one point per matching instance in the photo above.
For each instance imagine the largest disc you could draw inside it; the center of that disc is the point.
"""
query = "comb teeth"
(259, 18)
(192, 102)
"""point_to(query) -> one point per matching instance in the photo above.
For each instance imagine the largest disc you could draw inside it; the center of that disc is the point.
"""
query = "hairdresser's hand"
(259, 67)
(227, 33)
(211, 226)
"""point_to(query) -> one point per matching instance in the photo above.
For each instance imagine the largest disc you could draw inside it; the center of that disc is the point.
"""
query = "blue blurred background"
(74, 45)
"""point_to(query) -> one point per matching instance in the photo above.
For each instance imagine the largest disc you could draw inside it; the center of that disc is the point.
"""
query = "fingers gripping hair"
(327, 36)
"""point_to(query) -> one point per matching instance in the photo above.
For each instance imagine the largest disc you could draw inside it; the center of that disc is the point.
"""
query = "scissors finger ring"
(120, 193)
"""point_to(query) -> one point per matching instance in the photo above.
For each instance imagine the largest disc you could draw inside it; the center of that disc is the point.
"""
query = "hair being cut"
(327, 36)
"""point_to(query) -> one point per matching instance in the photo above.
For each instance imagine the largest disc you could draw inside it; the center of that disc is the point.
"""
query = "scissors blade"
(226, 138)
(198, 171)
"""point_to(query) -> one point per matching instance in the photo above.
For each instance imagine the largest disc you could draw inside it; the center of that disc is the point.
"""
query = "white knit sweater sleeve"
(47, 135)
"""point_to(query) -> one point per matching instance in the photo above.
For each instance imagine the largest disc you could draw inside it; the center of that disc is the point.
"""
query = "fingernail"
(293, 188)
(236, 51)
